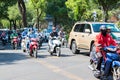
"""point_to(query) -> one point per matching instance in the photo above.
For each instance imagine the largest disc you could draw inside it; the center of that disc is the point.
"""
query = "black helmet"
(103, 30)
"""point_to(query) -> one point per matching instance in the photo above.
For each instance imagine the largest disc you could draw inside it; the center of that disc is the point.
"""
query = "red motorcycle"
(15, 42)
(33, 47)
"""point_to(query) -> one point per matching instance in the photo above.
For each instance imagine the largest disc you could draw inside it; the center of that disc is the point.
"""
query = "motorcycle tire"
(24, 50)
(15, 46)
(35, 53)
(58, 52)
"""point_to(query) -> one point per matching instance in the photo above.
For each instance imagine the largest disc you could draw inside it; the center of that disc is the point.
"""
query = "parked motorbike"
(55, 47)
(33, 47)
(15, 42)
(110, 55)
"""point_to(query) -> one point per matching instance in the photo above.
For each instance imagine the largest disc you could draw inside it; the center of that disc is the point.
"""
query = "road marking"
(58, 70)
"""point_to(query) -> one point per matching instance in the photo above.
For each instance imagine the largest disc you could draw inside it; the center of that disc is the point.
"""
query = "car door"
(87, 36)
(79, 36)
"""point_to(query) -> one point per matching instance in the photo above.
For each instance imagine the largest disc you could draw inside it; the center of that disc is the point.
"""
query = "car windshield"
(96, 27)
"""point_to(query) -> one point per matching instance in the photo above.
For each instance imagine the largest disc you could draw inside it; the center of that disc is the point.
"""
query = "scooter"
(55, 47)
(111, 55)
(64, 41)
(4, 40)
(15, 42)
(23, 45)
(33, 47)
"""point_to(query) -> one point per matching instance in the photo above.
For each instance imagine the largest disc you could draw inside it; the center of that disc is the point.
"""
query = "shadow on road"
(11, 58)
(66, 55)
(83, 53)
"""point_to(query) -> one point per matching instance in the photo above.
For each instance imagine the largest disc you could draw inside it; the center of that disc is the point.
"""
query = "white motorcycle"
(54, 46)
(23, 44)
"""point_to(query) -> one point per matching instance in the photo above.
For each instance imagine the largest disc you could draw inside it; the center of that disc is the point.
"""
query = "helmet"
(108, 28)
(103, 30)
(102, 27)
(14, 31)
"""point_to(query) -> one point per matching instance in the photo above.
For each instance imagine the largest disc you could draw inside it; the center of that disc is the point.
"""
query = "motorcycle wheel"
(24, 50)
(58, 52)
(51, 53)
(116, 73)
(15, 44)
(35, 53)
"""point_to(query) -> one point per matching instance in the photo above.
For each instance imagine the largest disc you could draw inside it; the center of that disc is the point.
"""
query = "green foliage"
(13, 13)
(5, 23)
(57, 9)
(76, 8)
(4, 4)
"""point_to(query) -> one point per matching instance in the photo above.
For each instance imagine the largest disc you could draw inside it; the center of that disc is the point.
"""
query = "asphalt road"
(16, 65)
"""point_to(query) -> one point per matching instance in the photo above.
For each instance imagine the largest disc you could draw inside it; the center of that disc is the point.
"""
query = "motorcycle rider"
(52, 34)
(14, 34)
(3, 35)
(31, 34)
(104, 39)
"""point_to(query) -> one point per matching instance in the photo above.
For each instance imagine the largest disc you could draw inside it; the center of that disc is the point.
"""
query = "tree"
(4, 4)
(13, 15)
(76, 8)
(22, 9)
(40, 7)
(107, 6)
(57, 9)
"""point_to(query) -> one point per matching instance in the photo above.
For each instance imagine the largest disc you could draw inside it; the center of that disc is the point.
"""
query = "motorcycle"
(64, 41)
(23, 45)
(55, 47)
(15, 42)
(33, 47)
(4, 40)
(111, 55)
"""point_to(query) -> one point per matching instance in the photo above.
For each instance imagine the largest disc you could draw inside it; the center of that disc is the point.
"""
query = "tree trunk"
(22, 9)
(14, 24)
(10, 24)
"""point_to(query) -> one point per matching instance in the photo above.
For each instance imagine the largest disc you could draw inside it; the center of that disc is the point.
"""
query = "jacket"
(104, 41)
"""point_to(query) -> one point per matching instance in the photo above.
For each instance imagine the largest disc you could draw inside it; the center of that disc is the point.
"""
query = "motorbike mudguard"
(34, 47)
(116, 63)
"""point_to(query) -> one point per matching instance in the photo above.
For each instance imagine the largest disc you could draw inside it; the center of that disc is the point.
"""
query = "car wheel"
(74, 48)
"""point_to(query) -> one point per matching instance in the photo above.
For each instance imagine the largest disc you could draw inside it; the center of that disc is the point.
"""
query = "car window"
(87, 28)
(81, 28)
(77, 27)
(96, 27)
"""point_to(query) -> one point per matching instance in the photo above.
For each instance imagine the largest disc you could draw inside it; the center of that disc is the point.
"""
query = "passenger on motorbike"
(14, 34)
(104, 39)
(61, 34)
(110, 33)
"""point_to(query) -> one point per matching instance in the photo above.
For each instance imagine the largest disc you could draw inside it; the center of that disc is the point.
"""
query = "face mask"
(104, 32)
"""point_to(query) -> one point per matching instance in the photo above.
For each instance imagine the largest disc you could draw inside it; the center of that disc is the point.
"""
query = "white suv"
(83, 34)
